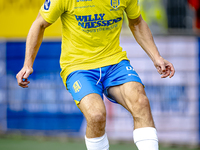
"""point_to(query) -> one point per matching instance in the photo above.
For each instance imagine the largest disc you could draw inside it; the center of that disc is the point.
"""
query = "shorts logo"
(47, 4)
(115, 3)
(129, 68)
(77, 86)
(133, 75)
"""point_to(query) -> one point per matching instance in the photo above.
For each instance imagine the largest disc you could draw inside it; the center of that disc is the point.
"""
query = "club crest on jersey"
(47, 4)
(115, 3)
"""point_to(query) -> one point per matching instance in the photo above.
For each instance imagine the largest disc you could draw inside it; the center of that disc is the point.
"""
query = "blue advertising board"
(46, 104)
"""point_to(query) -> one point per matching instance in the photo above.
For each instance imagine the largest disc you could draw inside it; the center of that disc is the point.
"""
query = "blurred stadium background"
(44, 116)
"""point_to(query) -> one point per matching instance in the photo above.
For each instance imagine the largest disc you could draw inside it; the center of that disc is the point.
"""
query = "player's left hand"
(164, 67)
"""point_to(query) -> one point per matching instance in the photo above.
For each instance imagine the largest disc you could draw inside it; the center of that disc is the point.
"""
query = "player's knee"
(138, 100)
(143, 102)
(97, 118)
(140, 106)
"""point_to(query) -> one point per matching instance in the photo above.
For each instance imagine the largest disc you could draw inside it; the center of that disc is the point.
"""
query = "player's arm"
(143, 36)
(33, 42)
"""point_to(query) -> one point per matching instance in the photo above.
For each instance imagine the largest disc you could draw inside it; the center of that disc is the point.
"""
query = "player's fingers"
(159, 70)
(27, 73)
(172, 71)
(24, 83)
(24, 86)
(19, 77)
(163, 68)
(166, 73)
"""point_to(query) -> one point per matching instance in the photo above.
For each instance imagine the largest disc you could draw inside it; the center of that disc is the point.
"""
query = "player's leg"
(124, 86)
(87, 93)
(132, 96)
(93, 108)
(94, 111)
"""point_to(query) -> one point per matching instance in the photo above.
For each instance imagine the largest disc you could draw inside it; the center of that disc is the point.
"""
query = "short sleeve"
(133, 9)
(51, 10)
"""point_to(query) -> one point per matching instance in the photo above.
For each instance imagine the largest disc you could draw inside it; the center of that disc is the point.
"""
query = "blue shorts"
(83, 82)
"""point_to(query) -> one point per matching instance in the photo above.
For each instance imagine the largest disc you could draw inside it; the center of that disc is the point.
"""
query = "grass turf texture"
(50, 144)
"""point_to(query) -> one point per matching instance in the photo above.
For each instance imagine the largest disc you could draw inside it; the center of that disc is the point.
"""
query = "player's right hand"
(22, 76)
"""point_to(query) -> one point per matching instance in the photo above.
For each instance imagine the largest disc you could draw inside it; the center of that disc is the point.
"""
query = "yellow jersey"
(90, 31)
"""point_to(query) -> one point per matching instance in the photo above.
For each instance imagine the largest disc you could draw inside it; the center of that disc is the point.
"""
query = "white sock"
(99, 143)
(146, 138)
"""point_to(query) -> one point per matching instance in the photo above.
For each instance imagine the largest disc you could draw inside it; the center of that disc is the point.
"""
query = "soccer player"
(93, 63)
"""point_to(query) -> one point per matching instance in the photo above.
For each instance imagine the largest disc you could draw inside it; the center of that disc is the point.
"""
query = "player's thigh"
(129, 95)
(87, 94)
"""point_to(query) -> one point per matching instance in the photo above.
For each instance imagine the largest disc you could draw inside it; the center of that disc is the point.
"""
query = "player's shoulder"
(134, 1)
(50, 4)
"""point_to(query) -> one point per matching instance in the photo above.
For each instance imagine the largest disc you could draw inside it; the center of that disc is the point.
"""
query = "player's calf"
(141, 113)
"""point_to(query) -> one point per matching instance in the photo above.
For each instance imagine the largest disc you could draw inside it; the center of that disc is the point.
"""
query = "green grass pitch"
(10, 143)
